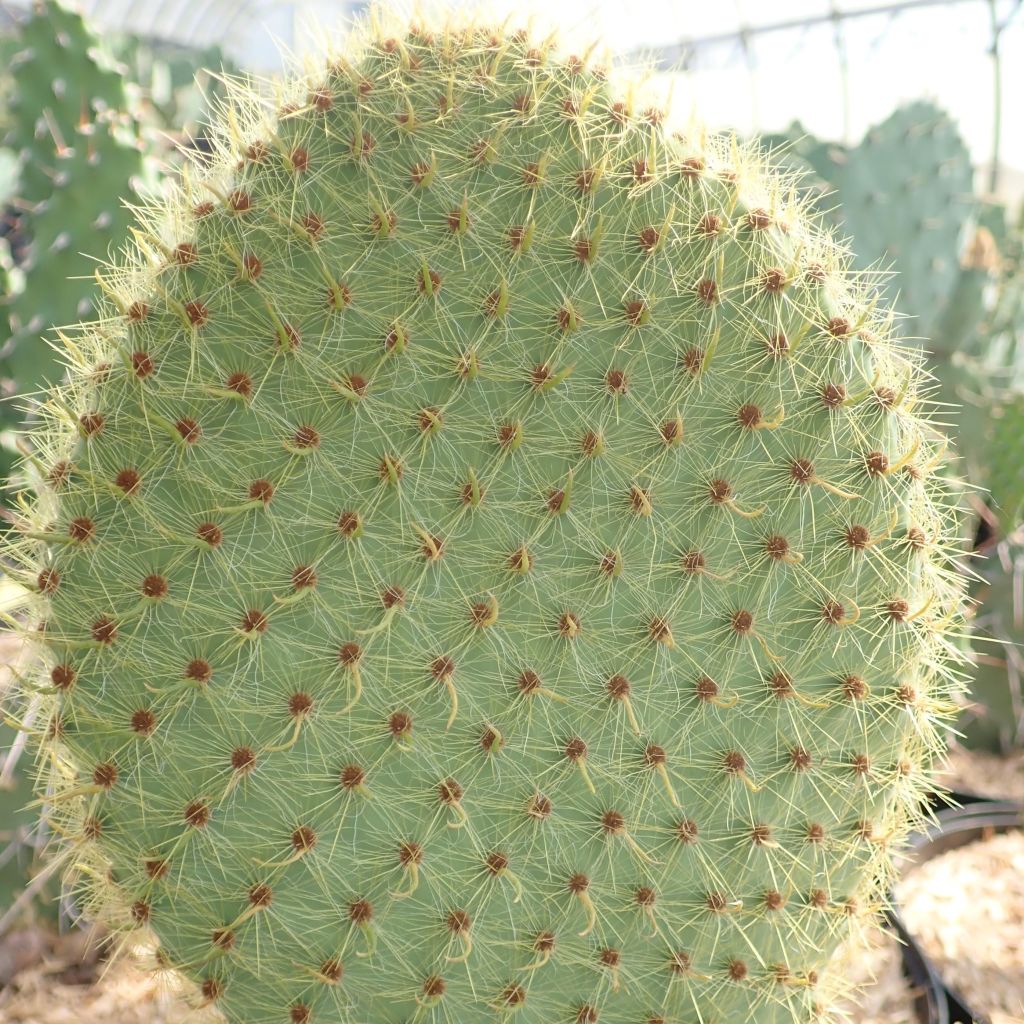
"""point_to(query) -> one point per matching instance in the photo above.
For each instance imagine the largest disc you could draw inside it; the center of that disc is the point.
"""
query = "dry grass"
(885, 996)
(45, 993)
(118, 994)
(986, 774)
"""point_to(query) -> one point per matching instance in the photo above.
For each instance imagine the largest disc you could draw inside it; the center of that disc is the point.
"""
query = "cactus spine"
(488, 560)
(903, 195)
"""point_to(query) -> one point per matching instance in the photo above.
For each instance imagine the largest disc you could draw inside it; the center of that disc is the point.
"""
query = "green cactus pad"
(1007, 462)
(994, 717)
(61, 78)
(81, 161)
(8, 175)
(21, 841)
(490, 563)
(83, 214)
(176, 87)
(986, 376)
(904, 196)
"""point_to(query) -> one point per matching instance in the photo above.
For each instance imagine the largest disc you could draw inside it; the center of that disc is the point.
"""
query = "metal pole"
(997, 86)
(997, 98)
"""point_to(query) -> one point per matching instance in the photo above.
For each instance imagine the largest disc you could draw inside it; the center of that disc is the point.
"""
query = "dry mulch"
(71, 986)
(991, 775)
(59, 990)
(883, 994)
(966, 907)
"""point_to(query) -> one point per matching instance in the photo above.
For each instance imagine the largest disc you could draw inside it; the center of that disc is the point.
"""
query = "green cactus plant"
(994, 719)
(992, 421)
(905, 195)
(1007, 462)
(988, 375)
(176, 88)
(81, 159)
(959, 278)
(20, 846)
(488, 562)
(8, 186)
(8, 175)
(83, 214)
(9, 418)
(61, 79)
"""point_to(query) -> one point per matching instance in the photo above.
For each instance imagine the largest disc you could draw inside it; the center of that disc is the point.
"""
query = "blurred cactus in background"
(85, 128)
(62, 83)
(79, 159)
(88, 128)
(987, 374)
(903, 197)
(173, 90)
(21, 842)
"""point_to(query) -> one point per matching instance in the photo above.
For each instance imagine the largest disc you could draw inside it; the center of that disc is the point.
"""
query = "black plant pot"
(930, 996)
(955, 826)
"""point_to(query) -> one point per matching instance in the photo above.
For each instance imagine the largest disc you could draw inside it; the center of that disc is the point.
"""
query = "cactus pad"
(81, 162)
(994, 717)
(79, 216)
(22, 842)
(489, 563)
(904, 195)
(1007, 462)
(61, 80)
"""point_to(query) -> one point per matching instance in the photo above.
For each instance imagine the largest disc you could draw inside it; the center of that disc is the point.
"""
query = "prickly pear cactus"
(81, 160)
(489, 563)
(904, 196)
(22, 844)
(61, 79)
(8, 175)
(9, 417)
(1007, 462)
(988, 374)
(176, 88)
(79, 216)
(991, 383)
(8, 186)
(994, 716)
